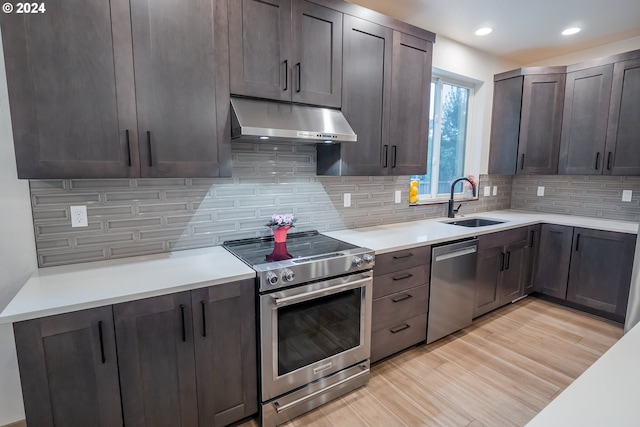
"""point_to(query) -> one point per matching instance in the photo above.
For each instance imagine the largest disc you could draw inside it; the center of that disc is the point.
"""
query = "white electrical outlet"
(540, 192)
(487, 191)
(398, 196)
(495, 190)
(78, 216)
(626, 195)
(347, 200)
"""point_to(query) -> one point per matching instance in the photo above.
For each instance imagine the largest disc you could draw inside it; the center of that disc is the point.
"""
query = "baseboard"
(21, 423)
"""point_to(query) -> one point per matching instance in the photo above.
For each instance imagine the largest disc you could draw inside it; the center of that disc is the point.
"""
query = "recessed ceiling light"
(484, 31)
(570, 31)
(264, 137)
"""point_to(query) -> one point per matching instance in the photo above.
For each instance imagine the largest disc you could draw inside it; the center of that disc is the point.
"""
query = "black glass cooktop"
(299, 246)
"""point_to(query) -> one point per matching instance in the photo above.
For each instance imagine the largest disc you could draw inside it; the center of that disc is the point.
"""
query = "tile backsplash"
(595, 196)
(129, 217)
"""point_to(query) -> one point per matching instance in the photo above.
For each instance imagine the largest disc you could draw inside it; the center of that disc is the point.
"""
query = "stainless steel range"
(315, 319)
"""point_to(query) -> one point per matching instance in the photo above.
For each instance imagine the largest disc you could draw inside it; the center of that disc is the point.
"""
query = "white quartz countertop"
(393, 237)
(606, 394)
(55, 290)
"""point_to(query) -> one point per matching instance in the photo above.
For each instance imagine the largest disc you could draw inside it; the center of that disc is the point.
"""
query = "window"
(447, 156)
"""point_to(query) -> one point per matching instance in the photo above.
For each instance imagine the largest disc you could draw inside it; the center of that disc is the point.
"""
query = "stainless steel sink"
(474, 222)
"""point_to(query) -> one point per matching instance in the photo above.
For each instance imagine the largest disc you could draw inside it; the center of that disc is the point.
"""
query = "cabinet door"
(410, 90)
(156, 360)
(600, 273)
(366, 90)
(225, 345)
(505, 126)
(71, 90)
(68, 369)
(554, 255)
(541, 123)
(176, 63)
(260, 48)
(623, 150)
(490, 264)
(511, 286)
(584, 121)
(316, 55)
(530, 257)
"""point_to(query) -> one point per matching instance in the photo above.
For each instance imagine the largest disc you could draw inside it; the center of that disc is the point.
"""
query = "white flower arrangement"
(278, 221)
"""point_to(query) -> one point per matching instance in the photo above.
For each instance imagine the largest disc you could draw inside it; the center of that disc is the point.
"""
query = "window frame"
(470, 167)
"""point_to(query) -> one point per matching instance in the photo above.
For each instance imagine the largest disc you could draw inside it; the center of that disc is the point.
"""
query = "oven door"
(314, 330)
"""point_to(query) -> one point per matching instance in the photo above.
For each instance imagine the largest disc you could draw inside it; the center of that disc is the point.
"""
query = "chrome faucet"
(452, 212)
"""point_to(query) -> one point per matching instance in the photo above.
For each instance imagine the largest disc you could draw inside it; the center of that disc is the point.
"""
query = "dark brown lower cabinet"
(600, 271)
(586, 269)
(554, 256)
(157, 361)
(189, 359)
(184, 359)
(69, 370)
(501, 268)
(400, 301)
(226, 357)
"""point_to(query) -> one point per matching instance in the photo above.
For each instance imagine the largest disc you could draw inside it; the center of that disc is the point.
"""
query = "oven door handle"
(294, 299)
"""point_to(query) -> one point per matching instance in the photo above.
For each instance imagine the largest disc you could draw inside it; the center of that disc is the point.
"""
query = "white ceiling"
(524, 31)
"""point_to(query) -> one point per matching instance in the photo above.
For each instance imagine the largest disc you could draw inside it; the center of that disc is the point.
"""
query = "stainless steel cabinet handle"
(465, 251)
(281, 302)
(280, 408)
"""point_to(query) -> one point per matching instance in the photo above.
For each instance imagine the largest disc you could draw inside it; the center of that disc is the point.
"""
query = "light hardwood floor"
(500, 371)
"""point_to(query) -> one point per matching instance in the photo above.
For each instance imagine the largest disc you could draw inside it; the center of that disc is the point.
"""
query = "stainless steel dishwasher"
(453, 272)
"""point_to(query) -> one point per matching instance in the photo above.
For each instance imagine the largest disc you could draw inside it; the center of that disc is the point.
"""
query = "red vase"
(280, 234)
(280, 252)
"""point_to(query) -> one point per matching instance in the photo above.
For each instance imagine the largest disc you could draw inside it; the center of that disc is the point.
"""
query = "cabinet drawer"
(503, 238)
(401, 260)
(387, 284)
(394, 308)
(404, 334)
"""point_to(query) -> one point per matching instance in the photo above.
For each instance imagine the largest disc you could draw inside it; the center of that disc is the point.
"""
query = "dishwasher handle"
(458, 253)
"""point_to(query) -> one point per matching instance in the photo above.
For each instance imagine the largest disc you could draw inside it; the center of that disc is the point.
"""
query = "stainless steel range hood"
(259, 120)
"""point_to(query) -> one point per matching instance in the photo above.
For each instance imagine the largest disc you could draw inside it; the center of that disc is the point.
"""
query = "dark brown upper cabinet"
(71, 90)
(623, 130)
(584, 123)
(81, 109)
(286, 50)
(527, 120)
(410, 91)
(385, 99)
(181, 74)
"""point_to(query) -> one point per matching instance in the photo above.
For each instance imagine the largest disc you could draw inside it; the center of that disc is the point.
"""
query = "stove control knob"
(357, 261)
(287, 275)
(367, 258)
(272, 279)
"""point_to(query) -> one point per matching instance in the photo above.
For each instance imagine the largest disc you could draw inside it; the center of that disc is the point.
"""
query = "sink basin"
(475, 222)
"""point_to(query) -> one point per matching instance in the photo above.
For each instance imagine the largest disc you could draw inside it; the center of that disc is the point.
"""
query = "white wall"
(463, 60)
(17, 255)
(593, 53)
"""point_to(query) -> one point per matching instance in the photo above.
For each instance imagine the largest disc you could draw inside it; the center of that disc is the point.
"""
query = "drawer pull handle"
(399, 328)
(404, 276)
(409, 255)
(402, 298)
(102, 358)
(184, 328)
